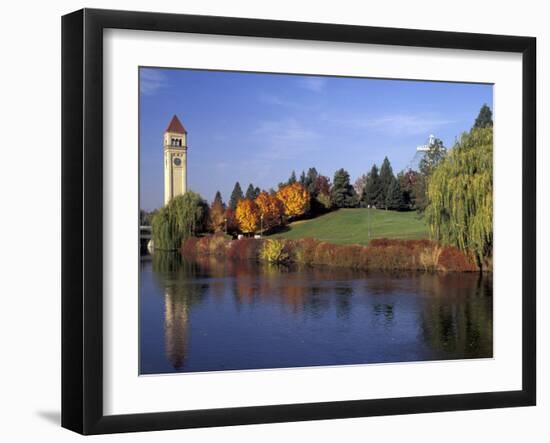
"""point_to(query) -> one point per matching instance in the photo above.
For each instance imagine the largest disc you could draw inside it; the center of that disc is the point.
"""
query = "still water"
(213, 315)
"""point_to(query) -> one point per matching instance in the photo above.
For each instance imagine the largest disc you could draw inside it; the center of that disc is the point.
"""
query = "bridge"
(144, 237)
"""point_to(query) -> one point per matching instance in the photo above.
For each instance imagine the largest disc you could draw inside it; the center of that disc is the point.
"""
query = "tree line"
(454, 191)
(261, 211)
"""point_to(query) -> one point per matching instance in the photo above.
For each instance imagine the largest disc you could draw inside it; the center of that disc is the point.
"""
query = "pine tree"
(250, 192)
(394, 197)
(236, 195)
(432, 158)
(343, 194)
(373, 188)
(484, 118)
(218, 200)
(311, 181)
(303, 178)
(292, 178)
(386, 179)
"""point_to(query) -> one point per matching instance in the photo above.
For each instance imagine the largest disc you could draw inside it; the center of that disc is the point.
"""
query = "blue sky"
(257, 128)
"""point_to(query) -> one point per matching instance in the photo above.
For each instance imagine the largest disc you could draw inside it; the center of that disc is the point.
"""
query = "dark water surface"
(212, 315)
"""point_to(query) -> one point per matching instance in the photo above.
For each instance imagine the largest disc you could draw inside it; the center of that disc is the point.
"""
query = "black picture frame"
(82, 218)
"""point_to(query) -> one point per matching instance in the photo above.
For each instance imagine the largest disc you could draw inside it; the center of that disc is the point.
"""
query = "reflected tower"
(176, 327)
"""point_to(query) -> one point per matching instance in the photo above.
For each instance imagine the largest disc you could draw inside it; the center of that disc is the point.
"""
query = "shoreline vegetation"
(380, 255)
(314, 220)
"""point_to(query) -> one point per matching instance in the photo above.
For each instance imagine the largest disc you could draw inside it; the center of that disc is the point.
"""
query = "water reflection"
(214, 315)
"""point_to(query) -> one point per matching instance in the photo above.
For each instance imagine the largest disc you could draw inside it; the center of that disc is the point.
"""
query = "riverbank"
(380, 254)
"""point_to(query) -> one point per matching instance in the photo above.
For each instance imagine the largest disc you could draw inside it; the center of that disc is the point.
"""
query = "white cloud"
(283, 139)
(277, 100)
(400, 124)
(150, 81)
(271, 99)
(314, 84)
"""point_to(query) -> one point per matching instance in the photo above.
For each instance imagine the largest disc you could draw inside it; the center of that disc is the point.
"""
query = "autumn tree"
(248, 216)
(236, 195)
(216, 214)
(295, 199)
(322, 184)
(323, 199)
(230, 221)
(271, 210)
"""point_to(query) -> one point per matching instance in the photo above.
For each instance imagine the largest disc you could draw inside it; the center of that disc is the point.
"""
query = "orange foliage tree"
(216, 216)
(271, 209)
(295, 199)
(230, 220)
(248, 215)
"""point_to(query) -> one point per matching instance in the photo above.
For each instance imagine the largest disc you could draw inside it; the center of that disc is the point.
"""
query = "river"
(212, 315)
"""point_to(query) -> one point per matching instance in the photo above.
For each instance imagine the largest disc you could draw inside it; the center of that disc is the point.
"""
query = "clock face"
(177, 161)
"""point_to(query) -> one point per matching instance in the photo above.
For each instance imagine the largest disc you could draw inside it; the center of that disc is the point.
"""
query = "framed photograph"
(268, 221)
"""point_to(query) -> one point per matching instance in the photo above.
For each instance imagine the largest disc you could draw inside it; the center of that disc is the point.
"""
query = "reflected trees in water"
(352, 315)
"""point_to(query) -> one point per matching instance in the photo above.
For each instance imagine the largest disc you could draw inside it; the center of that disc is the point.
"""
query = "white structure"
(175, 160)
(427, 147)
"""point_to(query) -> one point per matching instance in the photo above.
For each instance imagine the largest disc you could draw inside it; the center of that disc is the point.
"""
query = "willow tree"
(460, 194)
(183, 217)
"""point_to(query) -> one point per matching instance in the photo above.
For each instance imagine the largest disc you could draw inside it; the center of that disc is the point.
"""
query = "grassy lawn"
(350, 226)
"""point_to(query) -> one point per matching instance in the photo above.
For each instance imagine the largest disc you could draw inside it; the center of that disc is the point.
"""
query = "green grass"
(351, 226)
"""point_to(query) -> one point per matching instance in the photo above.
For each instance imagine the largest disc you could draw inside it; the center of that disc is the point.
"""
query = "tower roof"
(176, 126)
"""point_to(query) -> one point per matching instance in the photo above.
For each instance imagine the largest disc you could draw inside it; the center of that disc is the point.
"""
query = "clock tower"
(175, 160)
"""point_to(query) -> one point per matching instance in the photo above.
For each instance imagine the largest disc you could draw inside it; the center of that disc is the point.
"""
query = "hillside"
(350, 226)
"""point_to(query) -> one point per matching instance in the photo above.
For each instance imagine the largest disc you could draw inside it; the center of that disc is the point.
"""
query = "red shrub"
(189, 248)
(244, 249)
(452, 259)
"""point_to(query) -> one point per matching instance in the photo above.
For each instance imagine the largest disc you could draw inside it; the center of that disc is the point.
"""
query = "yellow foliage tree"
(248, 215)
(295, 199)
(271, 209)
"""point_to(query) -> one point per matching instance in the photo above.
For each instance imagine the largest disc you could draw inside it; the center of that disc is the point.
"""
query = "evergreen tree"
(432, 157)
(292, 179)
(303, 178)
(373, 188)
(218, 200)
(484, 118)
(386, 179)
(343, 194)
(251, 192)
(394, 196)
(236, 195)
(310, 181)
